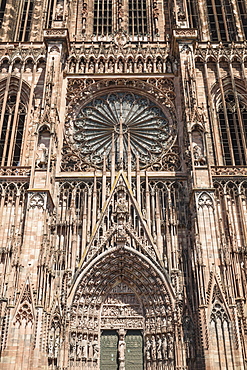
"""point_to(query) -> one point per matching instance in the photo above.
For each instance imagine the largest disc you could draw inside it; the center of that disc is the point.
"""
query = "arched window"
(138, 17)
(221, 20)
(25, 21)
(232, 118)
(12, 132)
(103, 13)
(2, 10)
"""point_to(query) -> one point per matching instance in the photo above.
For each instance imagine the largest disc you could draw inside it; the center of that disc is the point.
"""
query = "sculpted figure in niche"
(140, 66)
(153, 348)
(164, 347)
(150, 66)
(91, 67)
(90, 348)
(95, 349)
(121, 350)
(72, 66)
(199, 158)
(159, 348)
(59, 12)
(170, 347)
(198, 148)
(111, 66)
(84, 346)
(79, 348)
(73, 346)
(41, 156)
(101, 67)
(168, 66)
(130, 66)
(82, 66)
(159, 66)
(120, 66)
(148, 349)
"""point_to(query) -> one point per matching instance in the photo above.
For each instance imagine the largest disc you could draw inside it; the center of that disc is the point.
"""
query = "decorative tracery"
(117, 125)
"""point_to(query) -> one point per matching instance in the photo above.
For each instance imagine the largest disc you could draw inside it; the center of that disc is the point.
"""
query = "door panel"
(108, 350)
(134, 350)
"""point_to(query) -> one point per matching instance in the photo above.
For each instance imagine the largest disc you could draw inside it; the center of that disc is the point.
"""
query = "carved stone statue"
(199, 158)
(111, 66)
(121, 350)
(150, 66)
(148, 349)
(170, 347)
(41, 156)
(91, 67)
(59, 12)
(84, 346)
(101, 67)
(164, 347)
(159, 347)
(159, 66)
(153, 348)
(130, 66)
(140, 66)
(120, 66)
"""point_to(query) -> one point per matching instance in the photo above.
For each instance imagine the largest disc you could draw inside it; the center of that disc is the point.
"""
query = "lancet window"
(13, 120)
(25, 21)
(50, 12)
(232, 116)
(192, 13)
(221, 20)
(2, 11)
(110, 16)
(103, 13)
(138, 17)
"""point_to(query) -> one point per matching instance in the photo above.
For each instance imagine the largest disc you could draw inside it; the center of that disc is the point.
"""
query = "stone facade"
(123, 191)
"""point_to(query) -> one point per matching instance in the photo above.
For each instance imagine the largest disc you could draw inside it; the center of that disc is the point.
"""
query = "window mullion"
(15, 123)
(216, 20)
(5, 99)
(6, 139)
(225, 115)
(239, 115)
(225, 21)
(25, 22)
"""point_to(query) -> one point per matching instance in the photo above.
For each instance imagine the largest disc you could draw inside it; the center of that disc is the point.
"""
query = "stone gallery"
(123, 185)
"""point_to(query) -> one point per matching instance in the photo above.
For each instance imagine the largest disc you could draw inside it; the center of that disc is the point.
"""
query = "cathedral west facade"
(123, 191)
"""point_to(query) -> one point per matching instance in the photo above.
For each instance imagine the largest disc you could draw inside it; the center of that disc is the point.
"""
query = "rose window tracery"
(120, 126)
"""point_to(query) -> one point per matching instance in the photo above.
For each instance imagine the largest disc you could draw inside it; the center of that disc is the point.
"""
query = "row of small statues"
(17, 66)
(130, 66)
(160, 347)
(84, 347)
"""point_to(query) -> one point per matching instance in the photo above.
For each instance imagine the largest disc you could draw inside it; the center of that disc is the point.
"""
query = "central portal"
(121, 350)
(122, 325)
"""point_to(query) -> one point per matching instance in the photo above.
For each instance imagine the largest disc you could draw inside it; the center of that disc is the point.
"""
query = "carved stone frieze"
(229, 171)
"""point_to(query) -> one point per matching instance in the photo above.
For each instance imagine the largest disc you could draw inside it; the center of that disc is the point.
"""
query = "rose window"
(119, 125)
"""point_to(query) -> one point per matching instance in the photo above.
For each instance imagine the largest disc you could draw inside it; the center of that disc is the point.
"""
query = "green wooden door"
(134, 350)
(108, 350)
